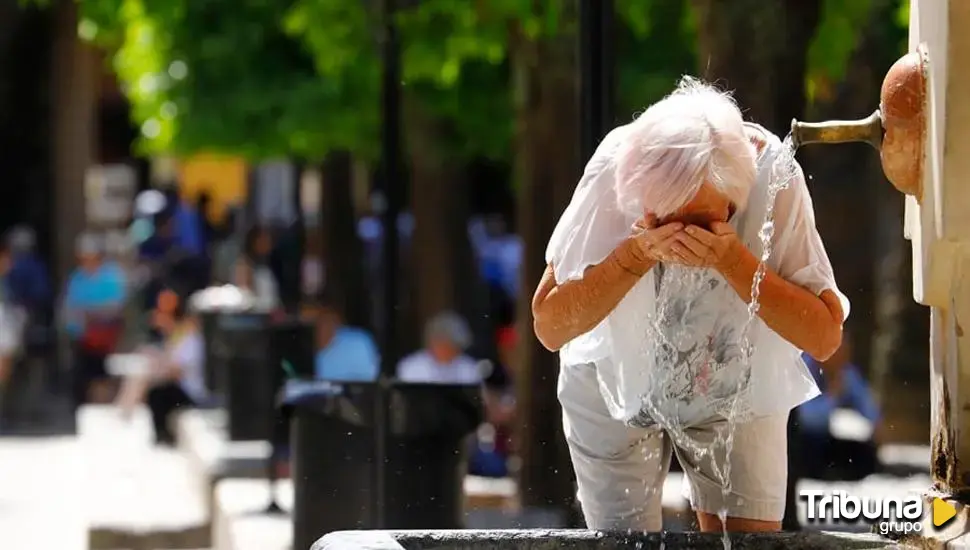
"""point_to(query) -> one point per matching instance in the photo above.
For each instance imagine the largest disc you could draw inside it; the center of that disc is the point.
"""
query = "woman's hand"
(651, 244)
(719, 248)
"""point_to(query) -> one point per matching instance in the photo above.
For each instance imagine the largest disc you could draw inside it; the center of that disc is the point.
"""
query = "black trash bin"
(250, 376)
(215, 354)
(259, 353)
(333, 462)
(293, 346)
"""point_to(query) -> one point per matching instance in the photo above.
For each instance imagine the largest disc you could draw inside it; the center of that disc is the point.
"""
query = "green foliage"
(902, 14)
(223, 76)
(302, 77)
(835, 40)
(656, 45)
(902, 21)
(454, 55)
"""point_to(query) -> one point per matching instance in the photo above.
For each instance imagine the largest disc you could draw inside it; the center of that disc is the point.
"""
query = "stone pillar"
(939, 227)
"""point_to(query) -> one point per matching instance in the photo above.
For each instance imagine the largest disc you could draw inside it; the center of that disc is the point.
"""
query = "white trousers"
(620, 470)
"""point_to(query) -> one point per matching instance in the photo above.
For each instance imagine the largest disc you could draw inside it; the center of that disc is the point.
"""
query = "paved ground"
(42, 482)
(40, 494)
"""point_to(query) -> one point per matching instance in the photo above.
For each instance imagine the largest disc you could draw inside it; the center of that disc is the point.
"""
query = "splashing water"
(666, 337)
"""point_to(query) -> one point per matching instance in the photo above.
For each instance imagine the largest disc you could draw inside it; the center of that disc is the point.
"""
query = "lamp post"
(393, 193)
(597, 74)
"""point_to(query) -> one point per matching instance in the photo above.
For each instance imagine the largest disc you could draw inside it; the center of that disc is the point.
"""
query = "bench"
(136, 495)
(202, 440)
(240, 521)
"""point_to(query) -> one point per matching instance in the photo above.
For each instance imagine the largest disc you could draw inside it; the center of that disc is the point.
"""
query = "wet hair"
(694, 135)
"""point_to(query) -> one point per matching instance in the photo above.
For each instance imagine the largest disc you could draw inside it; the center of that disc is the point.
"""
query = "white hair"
(694, 135)
(451, 327)
(88, 244)
(22, 239)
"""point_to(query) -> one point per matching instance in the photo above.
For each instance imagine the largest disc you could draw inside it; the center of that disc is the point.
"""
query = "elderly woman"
(443, 359)
(646, 297)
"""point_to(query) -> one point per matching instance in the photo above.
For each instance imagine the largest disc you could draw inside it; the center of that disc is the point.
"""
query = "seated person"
(443, 359)
(344, 353)
(175, 378)
(826, 456)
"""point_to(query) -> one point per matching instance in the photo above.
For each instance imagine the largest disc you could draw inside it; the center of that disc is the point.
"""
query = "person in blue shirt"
(28, 279)
(189, 229)
(345, 353)
(843, 387)
(29, 284)
(93, 304)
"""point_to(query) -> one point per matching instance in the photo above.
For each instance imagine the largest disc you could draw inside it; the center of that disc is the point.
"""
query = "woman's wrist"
(630, 257)
(733, 262)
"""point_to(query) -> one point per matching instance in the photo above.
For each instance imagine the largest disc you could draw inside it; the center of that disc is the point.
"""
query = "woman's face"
(443, 350)
(707, 206)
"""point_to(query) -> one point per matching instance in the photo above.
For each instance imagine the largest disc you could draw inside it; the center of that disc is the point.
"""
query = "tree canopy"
(225, 76)
(302, 77)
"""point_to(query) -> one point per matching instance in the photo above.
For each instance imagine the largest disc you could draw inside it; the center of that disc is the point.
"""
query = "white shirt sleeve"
(801, 258)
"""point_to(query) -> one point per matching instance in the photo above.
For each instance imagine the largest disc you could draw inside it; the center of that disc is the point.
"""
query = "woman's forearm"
(563, 312)
(812, 323)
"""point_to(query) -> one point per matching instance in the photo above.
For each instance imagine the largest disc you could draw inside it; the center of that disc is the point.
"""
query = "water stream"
(670, 332)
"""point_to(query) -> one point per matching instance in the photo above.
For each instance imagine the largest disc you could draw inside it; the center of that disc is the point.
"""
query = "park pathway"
(40, 494)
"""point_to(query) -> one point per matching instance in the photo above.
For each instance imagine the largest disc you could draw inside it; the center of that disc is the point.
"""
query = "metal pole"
(596, 91)
(596, 72)
(390, 157)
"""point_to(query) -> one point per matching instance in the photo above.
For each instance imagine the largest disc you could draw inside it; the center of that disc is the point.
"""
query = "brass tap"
(868, 130)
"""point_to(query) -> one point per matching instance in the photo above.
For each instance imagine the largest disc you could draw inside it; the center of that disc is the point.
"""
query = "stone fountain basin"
(579, 539)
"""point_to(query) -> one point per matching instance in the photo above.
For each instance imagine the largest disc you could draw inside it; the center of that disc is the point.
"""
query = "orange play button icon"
(943, 512)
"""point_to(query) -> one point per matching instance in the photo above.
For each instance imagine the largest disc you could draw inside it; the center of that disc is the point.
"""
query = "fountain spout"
(897, 129)
(868, 130)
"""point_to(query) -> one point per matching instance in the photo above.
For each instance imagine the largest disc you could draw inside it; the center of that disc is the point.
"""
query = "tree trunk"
(548, 167)
(759, 50)
(74, 91)
(442, 262)
(25, 133)
(343, 253)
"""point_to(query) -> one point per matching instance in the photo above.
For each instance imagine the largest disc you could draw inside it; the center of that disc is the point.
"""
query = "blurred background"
(153, 148)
